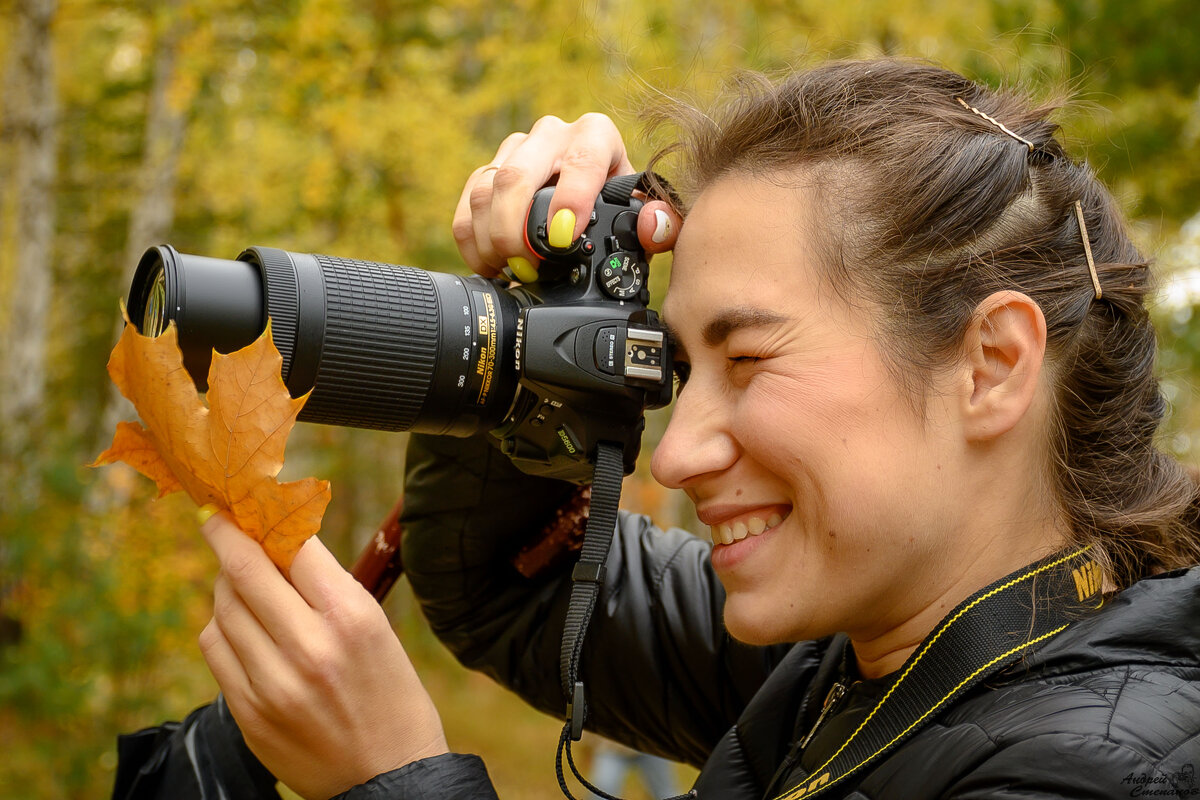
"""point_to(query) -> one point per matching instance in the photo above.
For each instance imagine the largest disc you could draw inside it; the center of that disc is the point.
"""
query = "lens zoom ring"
(381, 344)
(283, 299)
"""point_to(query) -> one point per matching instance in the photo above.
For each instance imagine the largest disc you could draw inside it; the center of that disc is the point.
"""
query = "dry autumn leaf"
(226, 454)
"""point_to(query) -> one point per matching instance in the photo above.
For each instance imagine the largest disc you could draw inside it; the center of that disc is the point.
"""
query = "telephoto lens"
(379, 345)
(550, 368)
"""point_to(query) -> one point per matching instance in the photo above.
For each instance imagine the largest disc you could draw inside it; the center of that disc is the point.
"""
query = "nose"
(697, 441)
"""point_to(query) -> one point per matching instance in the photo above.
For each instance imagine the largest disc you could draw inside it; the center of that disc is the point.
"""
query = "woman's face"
(839, 504)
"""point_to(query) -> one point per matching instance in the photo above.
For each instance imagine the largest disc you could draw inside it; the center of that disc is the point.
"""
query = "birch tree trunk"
(33, 127)
(151, 218)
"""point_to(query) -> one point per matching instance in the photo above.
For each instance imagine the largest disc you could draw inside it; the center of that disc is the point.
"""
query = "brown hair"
(937, 208)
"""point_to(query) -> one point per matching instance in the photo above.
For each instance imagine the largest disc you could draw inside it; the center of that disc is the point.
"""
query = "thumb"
(658, 226)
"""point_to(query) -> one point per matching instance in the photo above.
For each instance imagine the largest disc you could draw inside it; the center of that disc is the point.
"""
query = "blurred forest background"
(348, 128)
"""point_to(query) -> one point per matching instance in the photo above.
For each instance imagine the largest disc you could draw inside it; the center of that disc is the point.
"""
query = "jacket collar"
(1154, 621)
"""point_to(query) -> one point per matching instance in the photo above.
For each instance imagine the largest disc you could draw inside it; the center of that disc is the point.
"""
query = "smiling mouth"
(727, 533)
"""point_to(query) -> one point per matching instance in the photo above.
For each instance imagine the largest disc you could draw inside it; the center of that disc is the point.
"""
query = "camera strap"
(655, 186)
(586, 582)
(587, 579)
(994, 628)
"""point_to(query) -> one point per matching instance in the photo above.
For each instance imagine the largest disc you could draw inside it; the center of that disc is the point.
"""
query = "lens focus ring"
(283, 300)
(381, 344)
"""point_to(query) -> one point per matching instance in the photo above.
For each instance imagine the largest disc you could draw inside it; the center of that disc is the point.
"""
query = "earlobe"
(1005, 350)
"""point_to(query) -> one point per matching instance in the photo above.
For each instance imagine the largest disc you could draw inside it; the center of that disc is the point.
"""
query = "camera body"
(550, 368)
(589, 353)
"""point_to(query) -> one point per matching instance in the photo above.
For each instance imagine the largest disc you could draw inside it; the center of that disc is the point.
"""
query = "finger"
(590, 151)
(594, 154)
(475, 201)
(498, 237)
(471, 220)
(224, 664)
(658, 226)
(463, 229)
(527, 166)
(252, 574)
(256, 647)
(320, 579)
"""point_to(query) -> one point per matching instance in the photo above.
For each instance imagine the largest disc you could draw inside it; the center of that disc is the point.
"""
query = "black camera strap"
(586, 582)
(587, 579)
(588, 575)
(655, 186)
(994, 628)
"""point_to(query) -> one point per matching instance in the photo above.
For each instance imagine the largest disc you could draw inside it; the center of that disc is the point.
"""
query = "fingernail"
(562, 228)
(204, 512)
(522, 270)
(662, 226)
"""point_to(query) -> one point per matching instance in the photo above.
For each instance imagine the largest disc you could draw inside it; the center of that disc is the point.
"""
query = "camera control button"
(621, 275)
(624, 227)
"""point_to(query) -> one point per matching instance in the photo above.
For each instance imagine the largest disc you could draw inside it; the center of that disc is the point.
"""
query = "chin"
(757, 631)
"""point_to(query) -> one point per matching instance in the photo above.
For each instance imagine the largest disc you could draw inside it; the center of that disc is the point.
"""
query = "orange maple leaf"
(226, 454)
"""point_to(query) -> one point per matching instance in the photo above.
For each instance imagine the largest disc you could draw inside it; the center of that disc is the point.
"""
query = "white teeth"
(754, 526)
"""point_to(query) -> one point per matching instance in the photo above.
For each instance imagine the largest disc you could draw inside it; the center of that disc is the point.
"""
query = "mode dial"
(622, 275)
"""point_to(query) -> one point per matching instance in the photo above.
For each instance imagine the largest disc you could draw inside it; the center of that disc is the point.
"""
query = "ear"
(1005, 349)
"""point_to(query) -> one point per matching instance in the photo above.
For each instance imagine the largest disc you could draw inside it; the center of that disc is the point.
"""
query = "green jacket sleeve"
(662, 674)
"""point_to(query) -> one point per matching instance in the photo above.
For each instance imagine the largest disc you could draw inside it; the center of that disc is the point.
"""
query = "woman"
(916, 409)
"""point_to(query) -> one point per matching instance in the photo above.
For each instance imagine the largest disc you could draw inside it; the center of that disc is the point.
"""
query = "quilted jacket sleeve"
(202, 758)
(205, 758)
(452, 776)
(661, 673)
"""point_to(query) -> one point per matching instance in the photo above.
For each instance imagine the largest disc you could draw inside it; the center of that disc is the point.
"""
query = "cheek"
(840, 455)
(788, 420)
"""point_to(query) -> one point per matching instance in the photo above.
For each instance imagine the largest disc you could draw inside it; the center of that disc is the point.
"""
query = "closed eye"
(741, 368)
(742, 361)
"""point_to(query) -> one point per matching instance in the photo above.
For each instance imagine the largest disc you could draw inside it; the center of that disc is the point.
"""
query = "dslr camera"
(549, 368)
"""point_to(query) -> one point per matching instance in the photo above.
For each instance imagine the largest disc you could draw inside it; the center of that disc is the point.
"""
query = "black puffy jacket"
(1108, 708)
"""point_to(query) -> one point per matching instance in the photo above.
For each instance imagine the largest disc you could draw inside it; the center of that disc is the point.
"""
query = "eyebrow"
(726, 321)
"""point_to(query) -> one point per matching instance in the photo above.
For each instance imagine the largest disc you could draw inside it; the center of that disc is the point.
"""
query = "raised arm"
(661, 672)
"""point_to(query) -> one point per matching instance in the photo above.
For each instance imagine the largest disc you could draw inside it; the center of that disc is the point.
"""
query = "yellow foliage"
(348, 128)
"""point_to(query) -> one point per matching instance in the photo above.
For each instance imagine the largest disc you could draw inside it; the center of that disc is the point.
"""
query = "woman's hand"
(489, 223)
(311, 669)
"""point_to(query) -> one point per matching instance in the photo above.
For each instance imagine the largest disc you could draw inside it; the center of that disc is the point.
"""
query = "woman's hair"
(935, 207)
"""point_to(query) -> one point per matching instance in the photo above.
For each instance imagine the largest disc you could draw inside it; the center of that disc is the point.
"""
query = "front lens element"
(154, 319)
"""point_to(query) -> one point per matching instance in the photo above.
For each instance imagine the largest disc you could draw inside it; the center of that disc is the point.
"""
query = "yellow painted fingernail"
(562, 228)
(204, 512)
(522, 270)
